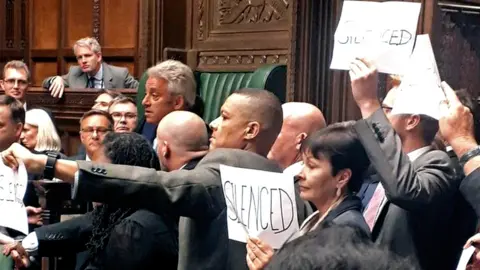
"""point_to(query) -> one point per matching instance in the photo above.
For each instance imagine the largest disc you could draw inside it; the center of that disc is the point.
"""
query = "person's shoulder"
(115, 69)
(240, 158)
(435, 156)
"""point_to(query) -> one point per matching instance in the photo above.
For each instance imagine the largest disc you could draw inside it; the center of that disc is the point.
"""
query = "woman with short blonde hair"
(39, 132)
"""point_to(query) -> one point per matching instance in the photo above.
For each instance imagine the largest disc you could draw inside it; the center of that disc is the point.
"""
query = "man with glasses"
(94, 124)
(124, 113)
(16, 76)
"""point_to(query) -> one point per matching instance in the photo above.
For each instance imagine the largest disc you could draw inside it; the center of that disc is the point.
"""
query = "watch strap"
(49, 171)
(469, 155)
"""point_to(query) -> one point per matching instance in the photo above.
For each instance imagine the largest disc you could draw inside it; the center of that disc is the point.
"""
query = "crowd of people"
(388, 191)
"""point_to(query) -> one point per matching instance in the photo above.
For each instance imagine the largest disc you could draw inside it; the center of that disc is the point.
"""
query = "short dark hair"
(121, 99)
(339, 144)
(98, 112)
(130, 148)
(339, 247)
(17, 112)
(429, 126)
(472, 104)
(265, 108)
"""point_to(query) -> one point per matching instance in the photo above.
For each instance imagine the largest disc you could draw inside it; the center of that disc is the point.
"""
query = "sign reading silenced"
(260, 204)
(13, 185)
(383, 32)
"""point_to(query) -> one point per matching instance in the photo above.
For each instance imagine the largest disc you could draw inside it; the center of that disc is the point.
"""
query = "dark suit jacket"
(196, 194)
(113, 77)
(419, 194)
(470, 189)
(139, 241)
(348, 212)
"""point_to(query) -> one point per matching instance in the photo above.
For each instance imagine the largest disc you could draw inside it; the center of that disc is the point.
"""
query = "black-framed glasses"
(98, 130)
(119, 115)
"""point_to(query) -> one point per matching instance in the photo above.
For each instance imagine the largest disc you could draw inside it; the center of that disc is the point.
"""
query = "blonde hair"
(47, 136)
(88, 42)
(16, 64)
(179, 77)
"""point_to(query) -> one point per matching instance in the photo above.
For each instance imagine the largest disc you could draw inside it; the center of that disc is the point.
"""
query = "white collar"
(87, 158)
(418, 152)
(99, 75)
(25, 106)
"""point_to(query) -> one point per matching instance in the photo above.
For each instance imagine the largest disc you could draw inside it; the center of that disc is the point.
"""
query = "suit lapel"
(107, 76)
(81, 80)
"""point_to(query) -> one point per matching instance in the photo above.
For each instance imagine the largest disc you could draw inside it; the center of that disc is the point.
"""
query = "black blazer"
(470, 189)
(348, 212)
(139, 241)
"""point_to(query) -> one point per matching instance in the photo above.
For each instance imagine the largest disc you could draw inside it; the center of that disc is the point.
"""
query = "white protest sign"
(13, 185)
(260, 204)
(465, 258)
(383, 32)
(420, 91)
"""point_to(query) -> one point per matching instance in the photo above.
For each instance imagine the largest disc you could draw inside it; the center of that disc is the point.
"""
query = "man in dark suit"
(411, 205)
(249, 124)
(91, 72)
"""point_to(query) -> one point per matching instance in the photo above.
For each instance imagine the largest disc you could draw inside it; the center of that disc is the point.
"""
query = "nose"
(145, 102)
(94, 134)
(214, 124)
(15, 84)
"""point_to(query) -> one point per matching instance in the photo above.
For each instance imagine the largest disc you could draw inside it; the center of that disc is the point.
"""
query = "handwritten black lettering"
(253, 204)
(271, 208)
(229, 186)
(260, 207)
(241, 219)
(284, 228)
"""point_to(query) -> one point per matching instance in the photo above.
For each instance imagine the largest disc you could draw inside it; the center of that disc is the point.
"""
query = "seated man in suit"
(16, 79)
(124, 113)
(115, 237)
(299, 121)
(249, 124)
(411, 204)
(91, 71)
(94, 124)
(170, 87)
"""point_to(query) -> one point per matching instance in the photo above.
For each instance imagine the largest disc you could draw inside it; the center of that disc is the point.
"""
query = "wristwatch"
(49, 171)
(469, 155)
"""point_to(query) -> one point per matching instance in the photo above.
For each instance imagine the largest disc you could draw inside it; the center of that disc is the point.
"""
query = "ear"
(165, 149)
(343, 178)
(178, 102)
(2, 84)
(252, 130)
(299, 140)
(99, 55)
(412, 122)
(18, 129)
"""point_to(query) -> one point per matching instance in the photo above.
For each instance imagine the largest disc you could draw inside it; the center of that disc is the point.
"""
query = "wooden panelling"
(45, 23)
(79, 21)
(120, 23)
(240, 35)
(41, 70)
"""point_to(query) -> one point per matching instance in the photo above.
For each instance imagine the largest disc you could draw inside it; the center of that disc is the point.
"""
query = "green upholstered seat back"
(141, 94)
(215, 87)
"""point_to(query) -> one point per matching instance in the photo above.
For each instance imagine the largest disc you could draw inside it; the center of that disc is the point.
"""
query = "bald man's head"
(299, 121)
(181, 136)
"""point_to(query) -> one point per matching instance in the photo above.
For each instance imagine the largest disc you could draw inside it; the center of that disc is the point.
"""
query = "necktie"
(91, 82)
(374, 205)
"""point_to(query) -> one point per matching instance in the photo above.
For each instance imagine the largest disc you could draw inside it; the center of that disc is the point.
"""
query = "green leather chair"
(215, 87)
